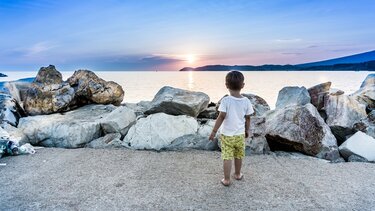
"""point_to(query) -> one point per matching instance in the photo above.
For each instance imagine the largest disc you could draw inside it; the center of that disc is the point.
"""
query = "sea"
(143, 85)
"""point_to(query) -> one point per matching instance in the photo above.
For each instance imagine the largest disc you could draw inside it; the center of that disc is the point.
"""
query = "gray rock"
(260, 106)
(75, 128)
(257, 142)
(366, 96)
(292, 95)
(318, 93)
(356, 158)
(158, 131)
(335, 92)
(369, 81)
(176, 101)
(359, 144)
(18, 89)
(140, 107)
(209, 113)
(111, 140)
(367, 125)
(342, 113)
(300, 128)
(10, 110)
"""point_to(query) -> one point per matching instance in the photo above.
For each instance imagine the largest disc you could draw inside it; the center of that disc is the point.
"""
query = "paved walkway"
(91, 179)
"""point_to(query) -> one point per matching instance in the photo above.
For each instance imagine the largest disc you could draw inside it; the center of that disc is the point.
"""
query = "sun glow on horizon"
(191, 59)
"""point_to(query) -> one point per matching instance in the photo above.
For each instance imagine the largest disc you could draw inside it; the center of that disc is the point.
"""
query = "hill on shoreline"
(357, 62)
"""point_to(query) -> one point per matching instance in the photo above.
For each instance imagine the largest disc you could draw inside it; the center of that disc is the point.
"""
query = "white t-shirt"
(235, 109)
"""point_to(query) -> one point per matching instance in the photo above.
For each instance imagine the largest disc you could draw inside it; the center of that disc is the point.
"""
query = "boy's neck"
(235, 93)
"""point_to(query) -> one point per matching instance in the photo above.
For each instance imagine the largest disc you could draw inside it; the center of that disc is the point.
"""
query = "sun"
(190, 58)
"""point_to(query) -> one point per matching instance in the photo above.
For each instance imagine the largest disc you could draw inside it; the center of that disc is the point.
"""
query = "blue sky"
(169, 35)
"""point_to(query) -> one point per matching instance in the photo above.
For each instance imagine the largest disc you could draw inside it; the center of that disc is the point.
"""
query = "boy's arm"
(247, 126)
(218, 123)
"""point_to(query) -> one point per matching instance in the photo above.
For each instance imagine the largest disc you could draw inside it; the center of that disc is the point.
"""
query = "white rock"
(359, 144)
(159, 130)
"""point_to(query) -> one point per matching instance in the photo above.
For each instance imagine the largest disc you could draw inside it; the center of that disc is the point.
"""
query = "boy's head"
(234, 80)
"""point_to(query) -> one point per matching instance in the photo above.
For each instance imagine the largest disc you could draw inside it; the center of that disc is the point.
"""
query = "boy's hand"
(212, 136)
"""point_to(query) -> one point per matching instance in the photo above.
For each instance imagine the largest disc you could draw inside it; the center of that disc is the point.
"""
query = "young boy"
(235, 111)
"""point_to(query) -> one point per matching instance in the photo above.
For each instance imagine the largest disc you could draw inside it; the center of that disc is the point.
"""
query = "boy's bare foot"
(225, 182)
(238, 177)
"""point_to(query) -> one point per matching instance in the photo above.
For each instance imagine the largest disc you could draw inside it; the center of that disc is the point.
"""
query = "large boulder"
(76, 128)
(260, 106)
(292, 95)
(48, 75)
(18, 89)
(47, 99)
(158, 131)
(176, 101)
(300, 128)
(49, 94)
(257, 142)
(89, 88)
(198, 140)
(10, 110)
(342, 113)
(111, 140)
(318, 93)
(359, 144)
(366, 96)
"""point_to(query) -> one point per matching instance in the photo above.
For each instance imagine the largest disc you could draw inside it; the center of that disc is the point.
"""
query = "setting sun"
(190, 58)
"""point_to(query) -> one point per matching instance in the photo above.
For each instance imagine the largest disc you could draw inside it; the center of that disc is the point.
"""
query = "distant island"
(3, 75)
(357, 62)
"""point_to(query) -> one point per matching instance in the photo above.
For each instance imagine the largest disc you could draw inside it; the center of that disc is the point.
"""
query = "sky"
(170, 35)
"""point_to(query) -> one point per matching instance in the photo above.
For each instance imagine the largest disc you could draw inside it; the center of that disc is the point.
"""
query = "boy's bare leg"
(227, 167)
(237, 168)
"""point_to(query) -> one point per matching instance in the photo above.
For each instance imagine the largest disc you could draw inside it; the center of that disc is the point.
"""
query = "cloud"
(160, 59)
(38, 48)
(287, 40)
(292, 53)
(313, 46)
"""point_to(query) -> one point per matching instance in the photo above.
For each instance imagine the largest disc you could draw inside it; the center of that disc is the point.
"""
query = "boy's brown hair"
(234, 80)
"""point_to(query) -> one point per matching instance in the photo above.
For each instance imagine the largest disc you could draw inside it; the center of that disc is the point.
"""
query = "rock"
(196, 141)
(18, 89)
(49, 99)
(300, 128)
(49, 94)
(140, 107)
(10, 110)
(367, 125)
(260, 106)
(369, 81)
(356, 158)
(48, 75)
(257, 142)
(342, 113)
(75, 128)
(111, 140)
(335, 92)
(359, 144)
(318, 93)
(292, 95)
(90, 88)
(158, 131)
(209, 113)
(366, 96)
(176, 101)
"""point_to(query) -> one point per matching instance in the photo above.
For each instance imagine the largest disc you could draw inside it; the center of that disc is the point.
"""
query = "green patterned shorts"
(232, 147)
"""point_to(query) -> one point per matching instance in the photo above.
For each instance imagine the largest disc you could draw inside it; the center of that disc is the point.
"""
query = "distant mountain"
(3, 75)
(363, 61)
(357, 58)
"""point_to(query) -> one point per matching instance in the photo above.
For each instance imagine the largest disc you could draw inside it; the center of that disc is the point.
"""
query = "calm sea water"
(144, 85)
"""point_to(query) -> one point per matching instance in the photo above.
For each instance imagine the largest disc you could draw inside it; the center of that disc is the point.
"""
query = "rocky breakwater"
(85, 111)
